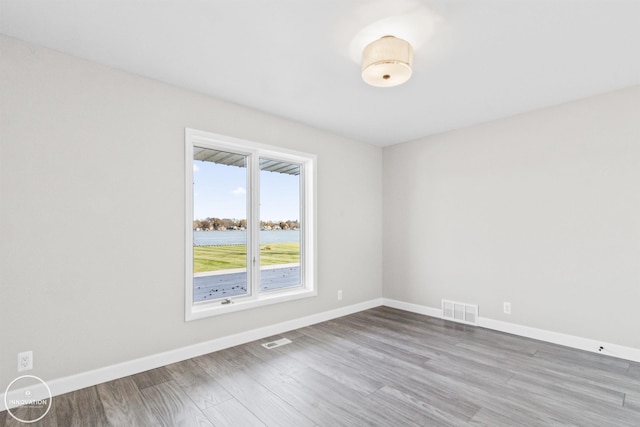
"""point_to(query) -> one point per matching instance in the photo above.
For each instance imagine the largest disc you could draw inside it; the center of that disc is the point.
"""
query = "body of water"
(219, 238)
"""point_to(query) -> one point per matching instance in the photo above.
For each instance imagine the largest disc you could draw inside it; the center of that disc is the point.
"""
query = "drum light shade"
(387, 62)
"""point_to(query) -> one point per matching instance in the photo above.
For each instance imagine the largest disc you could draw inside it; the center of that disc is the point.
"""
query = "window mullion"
(254, 222)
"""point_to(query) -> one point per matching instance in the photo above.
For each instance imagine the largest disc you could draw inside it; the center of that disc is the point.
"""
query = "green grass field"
(214, 258)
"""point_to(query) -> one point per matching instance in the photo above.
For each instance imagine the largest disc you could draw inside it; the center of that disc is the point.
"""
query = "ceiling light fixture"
(387, 62)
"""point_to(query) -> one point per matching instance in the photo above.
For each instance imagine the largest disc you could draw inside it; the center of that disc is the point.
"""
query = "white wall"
(541, 210)
(92, 215)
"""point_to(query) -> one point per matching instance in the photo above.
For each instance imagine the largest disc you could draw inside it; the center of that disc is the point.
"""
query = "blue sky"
(220, 191)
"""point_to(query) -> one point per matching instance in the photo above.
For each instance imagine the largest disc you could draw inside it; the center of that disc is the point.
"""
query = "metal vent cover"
(460, 312)
(276, 343)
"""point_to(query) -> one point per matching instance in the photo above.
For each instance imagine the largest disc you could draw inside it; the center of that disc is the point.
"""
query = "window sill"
(216, 308)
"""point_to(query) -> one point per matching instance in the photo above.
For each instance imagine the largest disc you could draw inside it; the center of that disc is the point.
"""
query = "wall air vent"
(460, 312)
(277, 343)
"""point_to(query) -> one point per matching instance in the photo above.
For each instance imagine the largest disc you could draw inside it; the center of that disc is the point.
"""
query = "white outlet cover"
(25, 361)
(507, 308)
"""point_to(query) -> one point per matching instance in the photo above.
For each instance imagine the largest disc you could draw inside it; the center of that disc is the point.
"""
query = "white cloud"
(240, 191)
(196, 168)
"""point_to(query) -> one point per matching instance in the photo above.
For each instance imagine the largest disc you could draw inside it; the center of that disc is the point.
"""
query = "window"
(250, 224)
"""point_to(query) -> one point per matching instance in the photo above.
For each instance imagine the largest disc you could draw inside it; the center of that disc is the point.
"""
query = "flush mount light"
(387, 62)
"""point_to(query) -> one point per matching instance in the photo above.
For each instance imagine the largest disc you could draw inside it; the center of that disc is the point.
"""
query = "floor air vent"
(460, 312)
(277, 343)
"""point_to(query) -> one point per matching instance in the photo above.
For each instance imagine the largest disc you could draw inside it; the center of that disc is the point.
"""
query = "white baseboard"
(414, 308)
(98, 376)
(587, 344)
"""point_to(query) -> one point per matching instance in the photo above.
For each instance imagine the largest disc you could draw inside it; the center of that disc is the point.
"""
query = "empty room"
(319, 213)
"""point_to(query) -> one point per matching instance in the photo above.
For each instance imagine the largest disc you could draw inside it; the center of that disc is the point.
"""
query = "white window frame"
(254, 150)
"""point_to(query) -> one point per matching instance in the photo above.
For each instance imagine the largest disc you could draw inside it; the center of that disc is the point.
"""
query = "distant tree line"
(223, 224)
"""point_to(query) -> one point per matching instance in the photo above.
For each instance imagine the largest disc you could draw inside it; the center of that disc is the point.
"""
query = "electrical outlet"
(25, 361)
(507, 308)
(340, 295)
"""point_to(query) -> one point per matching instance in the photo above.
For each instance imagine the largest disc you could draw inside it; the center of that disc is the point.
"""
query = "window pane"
(219, 224)
(279, 225)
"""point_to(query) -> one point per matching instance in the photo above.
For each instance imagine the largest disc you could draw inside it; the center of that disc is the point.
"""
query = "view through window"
(279, 224)
(220, 255)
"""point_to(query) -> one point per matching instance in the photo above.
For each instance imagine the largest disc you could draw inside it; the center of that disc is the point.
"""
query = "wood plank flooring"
(380, 367)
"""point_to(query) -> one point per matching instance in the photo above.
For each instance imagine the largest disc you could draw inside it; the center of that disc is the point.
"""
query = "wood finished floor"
(380, 367)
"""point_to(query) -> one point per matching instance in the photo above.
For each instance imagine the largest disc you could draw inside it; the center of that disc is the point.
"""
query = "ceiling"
(475, 60)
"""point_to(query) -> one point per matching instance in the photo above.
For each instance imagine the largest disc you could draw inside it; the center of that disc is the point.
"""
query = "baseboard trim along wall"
(98, 376)
(614, 350)
(87, 379)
